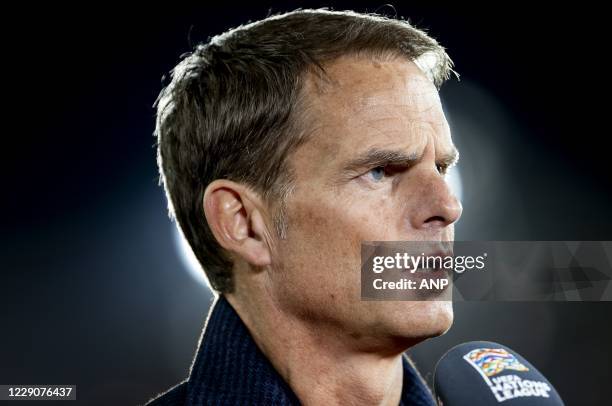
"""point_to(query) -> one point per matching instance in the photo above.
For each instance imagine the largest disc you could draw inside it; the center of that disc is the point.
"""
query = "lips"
(438, 257)
(437, 273)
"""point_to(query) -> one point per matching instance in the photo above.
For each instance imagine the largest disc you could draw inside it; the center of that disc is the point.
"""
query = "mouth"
(431, 273)
(437, 271)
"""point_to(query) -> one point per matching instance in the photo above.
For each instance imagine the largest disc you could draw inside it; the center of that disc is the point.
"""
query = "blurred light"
(454, 180)
(188, 258)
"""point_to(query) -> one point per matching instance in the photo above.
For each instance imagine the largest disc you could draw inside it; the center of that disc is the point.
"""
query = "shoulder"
(172, 397)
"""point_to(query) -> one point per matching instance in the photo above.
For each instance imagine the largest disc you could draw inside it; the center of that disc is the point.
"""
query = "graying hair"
(233, 109)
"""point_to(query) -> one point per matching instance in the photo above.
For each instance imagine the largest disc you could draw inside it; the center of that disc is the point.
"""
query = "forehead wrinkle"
(413, 102)
(356, 104)
(418, 133)
(416, 92)
(408, 117)
(409, 127)
(356, 123)
(400, 108)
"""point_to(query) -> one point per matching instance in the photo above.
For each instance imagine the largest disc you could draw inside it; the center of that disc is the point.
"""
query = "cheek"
(316, 267)
(319, 260)
(323, 242)
(321, 232)
(343, 223)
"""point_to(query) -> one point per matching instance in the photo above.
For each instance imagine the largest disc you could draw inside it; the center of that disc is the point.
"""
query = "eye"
(441, 168)
(377, 174)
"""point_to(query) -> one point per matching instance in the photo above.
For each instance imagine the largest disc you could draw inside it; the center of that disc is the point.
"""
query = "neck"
(319, 363)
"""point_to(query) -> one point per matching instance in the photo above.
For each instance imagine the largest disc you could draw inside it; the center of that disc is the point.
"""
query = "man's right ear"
(234, 216)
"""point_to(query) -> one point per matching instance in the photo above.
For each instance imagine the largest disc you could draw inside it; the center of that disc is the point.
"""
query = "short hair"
(232, 109)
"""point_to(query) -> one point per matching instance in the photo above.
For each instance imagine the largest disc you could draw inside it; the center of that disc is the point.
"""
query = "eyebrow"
(374, 157)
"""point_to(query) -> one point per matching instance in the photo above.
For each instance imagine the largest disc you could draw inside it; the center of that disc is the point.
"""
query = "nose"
(436, 206)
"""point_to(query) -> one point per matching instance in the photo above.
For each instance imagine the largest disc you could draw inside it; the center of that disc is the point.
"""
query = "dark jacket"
(229, 369)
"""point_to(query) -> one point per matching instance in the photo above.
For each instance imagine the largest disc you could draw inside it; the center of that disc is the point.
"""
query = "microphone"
(487, 373)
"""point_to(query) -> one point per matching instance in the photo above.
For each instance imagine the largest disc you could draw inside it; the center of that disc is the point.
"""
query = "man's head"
(285, 143)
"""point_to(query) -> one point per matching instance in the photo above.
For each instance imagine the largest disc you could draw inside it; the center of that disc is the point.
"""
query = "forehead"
(365, 102)
(365, 82)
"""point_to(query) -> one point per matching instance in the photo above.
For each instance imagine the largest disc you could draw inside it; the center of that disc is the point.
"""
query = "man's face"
(371, 170)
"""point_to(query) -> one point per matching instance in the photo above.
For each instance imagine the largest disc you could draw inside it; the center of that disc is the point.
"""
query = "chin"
(442, 317)
(439, 317)
(428, 319)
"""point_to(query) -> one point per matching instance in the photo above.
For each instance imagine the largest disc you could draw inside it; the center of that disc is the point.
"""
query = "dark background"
(94, 291)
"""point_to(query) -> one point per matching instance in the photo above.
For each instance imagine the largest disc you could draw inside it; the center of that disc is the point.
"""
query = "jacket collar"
(230, 369)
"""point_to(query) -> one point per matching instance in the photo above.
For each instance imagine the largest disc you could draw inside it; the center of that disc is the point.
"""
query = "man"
(284, 144)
